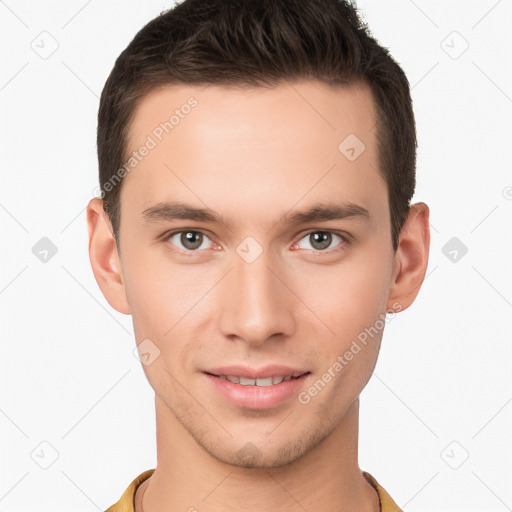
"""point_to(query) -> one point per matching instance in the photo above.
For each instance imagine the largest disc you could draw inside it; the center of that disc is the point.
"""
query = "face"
(255, 289)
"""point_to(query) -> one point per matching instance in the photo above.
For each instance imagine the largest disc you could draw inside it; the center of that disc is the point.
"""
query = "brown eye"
(321, 240)
(187, 241)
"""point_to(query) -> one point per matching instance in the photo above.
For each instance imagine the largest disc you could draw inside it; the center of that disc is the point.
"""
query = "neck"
(187, 478)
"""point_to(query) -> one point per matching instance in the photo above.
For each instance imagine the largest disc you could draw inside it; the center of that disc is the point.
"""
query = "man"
(257, 161)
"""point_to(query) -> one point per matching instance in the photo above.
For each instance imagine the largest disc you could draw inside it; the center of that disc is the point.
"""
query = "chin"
(262, 454)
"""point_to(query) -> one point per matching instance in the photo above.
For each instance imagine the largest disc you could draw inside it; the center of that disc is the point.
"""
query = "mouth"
(263, 382)
(266, 388)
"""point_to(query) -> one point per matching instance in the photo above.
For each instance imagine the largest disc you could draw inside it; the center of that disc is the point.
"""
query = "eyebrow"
(320, 212)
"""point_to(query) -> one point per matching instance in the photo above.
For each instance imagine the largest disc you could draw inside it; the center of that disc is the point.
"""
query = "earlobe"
(104, 257)
(411, 257)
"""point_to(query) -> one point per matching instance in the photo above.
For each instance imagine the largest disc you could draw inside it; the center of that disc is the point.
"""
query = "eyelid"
(345, 239)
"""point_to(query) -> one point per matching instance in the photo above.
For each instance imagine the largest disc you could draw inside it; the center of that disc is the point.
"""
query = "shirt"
(126, 502)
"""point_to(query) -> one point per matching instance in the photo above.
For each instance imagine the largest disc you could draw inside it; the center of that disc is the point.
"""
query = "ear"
(104, 257)
(411, 257)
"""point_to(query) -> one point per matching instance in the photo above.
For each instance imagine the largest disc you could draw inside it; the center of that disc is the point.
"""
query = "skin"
(253, 156)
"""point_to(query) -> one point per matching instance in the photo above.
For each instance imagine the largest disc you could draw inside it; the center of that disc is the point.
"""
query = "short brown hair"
(260, 43)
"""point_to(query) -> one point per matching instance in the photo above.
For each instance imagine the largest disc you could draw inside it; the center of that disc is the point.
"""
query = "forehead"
(254, 148)
(263, 110)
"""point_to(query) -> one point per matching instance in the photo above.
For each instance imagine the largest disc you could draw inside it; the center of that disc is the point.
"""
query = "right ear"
(105, 261)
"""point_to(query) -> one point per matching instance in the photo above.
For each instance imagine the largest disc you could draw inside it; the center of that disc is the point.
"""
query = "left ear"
(411, 257)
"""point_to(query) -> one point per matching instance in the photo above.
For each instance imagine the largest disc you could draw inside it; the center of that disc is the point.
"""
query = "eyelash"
(344, 240)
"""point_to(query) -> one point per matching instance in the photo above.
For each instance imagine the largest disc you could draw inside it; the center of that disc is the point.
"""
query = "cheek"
(159, 294)
(354, 309)
(350, 297)
(168, 303)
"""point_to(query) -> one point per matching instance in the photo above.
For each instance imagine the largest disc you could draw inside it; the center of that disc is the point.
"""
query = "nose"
(256, 303)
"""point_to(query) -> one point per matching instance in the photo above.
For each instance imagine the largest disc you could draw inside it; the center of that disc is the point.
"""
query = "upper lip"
(273, 370)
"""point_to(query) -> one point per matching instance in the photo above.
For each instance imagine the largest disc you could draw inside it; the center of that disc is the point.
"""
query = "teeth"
(244, 381)
(264, 382)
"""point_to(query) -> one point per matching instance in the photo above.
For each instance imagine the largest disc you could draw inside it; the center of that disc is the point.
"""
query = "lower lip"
(256, 397)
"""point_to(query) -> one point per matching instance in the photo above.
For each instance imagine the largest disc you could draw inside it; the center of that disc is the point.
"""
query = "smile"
(268, 381)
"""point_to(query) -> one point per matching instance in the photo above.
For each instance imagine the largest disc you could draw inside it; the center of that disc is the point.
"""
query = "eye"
(321, 240)
(190, 240)
(193, 241)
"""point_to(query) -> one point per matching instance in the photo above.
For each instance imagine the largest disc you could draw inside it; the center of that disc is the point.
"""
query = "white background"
(68, 378)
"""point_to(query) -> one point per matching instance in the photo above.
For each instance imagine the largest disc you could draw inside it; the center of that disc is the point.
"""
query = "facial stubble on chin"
(250, 455)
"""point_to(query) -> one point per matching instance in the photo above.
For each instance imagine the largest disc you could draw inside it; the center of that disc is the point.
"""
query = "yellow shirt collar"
(126, 502)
